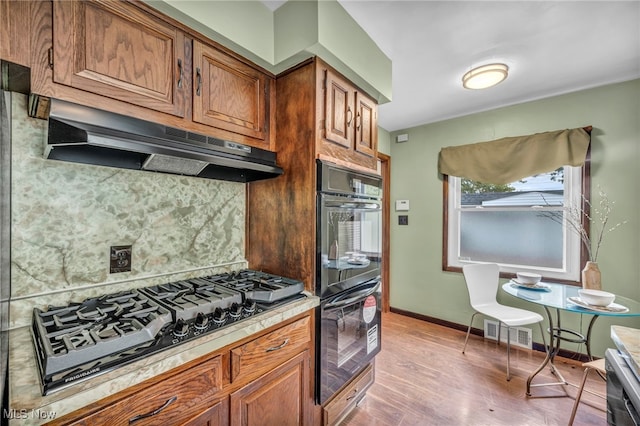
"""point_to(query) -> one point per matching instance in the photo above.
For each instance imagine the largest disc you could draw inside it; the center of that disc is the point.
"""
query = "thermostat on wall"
(402, 205)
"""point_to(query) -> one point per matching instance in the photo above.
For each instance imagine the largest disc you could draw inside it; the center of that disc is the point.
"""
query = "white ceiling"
(551, 47)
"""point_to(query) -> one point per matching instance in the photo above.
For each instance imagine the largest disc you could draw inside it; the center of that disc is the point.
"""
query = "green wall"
(296, 30)
(384, 141)
(246, 27)
(418, 283)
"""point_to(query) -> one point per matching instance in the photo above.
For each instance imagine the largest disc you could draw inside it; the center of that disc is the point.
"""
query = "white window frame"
(570, 270)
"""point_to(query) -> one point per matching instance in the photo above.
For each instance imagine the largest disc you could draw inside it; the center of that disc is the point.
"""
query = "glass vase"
(591, 277)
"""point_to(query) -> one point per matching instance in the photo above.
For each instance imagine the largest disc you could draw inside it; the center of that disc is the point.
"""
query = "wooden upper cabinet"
(116, 50)
(366, 141)
(15, 31)
(350, 121)
(339, 110)
(229, 94)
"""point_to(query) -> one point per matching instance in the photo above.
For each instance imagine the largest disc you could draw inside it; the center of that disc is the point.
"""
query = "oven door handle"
(352, 204)
(632, 412)
(358, 295)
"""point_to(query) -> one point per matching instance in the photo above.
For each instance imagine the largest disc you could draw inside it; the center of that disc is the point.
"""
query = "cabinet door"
(280, 397)
(216, 415)
(114, 49)
(228, 94)
(15, 30)
(339, 113)
(366, 125)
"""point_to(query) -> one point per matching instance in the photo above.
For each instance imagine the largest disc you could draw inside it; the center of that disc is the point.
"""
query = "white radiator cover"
(520, 336)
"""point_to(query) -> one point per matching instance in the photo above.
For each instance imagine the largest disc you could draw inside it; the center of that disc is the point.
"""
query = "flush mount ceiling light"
(485, 76)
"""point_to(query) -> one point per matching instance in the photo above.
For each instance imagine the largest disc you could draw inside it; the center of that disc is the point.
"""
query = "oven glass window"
(349, 339)
(352, 243)
(353, 335)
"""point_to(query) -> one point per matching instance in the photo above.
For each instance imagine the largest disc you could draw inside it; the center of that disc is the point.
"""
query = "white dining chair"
(482, 283)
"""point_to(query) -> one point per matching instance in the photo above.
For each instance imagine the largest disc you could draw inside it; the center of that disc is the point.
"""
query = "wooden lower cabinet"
(216, 415)
(170, 401)
(280, 397)
(261, 355)
(270, 385)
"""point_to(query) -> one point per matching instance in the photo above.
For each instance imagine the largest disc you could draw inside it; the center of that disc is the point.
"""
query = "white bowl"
(596, 297)
(528, 277)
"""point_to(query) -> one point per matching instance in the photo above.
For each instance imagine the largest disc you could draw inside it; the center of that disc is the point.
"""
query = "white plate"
(536, 287)
(614, 307)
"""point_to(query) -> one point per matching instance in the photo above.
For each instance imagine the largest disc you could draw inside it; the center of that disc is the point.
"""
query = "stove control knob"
(181, 328)
(249, 306)
(219, 316)
(202, 321)
(235, 310)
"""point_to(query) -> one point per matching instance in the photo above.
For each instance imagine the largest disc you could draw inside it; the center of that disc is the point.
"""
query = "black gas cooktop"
(81, 340)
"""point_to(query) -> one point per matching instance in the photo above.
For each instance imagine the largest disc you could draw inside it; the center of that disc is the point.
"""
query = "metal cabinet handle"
(180, 73)
(349, 116)
(355, 392)
(358, 121)
(198, 81)
(154, 412)
(275, 348)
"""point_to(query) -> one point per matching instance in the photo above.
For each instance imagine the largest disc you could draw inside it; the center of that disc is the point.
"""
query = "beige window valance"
(509, 159)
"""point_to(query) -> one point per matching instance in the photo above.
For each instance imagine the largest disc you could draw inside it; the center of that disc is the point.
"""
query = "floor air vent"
(520, 336)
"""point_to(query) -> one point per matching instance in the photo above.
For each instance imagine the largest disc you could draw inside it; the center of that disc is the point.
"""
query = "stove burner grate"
(81, 340)
(95, 327)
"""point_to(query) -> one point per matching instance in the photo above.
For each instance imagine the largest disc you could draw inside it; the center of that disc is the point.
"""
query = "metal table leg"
(548, 349)
(555, 338)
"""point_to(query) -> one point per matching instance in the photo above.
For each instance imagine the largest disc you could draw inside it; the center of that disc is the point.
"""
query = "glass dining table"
(562, 297)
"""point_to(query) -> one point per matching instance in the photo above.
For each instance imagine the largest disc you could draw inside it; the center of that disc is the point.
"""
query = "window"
(519, 225)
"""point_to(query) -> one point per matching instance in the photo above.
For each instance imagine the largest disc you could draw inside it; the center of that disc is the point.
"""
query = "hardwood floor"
(422, 378)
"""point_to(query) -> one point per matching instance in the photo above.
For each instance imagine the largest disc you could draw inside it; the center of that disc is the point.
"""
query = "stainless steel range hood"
(86, 135)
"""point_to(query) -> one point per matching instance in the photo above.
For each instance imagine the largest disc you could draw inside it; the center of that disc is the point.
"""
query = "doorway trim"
(385, 170)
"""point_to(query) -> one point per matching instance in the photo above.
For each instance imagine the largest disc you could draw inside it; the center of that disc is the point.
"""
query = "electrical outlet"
(403, 219)
(120, 259)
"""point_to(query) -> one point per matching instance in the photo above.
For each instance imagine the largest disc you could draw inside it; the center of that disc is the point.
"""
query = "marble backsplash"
(66, 216)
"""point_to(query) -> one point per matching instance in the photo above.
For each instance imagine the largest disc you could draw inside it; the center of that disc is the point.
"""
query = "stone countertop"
(27, 405)
(627, 340)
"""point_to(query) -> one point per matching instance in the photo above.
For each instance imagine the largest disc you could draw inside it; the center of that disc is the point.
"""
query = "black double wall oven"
(349, 254)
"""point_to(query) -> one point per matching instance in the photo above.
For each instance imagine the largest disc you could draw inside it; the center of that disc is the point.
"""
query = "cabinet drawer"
(262, 354)
(176, 399)
(336, 409)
